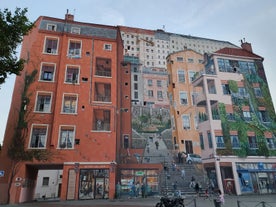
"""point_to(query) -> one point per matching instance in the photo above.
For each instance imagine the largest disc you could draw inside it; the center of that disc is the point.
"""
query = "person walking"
(219, 199)
(118, 190)
(182, 173)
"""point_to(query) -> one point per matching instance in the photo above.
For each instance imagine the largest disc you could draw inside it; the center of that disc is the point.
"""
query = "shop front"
(94, 184)
(139, 182)
(257, 178)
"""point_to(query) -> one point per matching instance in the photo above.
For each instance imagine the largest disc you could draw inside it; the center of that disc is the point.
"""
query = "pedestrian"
(219, 199)
(175, 186)
(173, 166)
(192, 183)
(182, 173)
(179, 157)
(197, 188)
(156, 144)
(137, 189)
(118, 190)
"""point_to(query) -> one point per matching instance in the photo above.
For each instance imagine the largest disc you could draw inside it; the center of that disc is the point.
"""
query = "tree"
(13, 28)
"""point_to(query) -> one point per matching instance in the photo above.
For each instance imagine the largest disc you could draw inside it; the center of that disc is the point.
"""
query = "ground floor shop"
(139, 182)
(242, 176)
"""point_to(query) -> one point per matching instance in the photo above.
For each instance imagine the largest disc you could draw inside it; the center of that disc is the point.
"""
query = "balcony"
(200, 99)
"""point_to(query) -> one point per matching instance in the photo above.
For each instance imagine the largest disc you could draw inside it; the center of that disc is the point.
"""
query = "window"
(252, 142)
(135, 86)
(103, 92)
(45, 181)
(101, 120)
(211, 86)
(264, 116)
(190, 60)
(186, 121)
(159, 95)
(247, 116)
(74, 49)
(179, 59)
(191, 76)
(226, 89)
(108, 47)
(194, 95)
(75, 30)
(51, 27)
(183, 98)
(51, 45)
(66, 137)
(150, 93)
(181, 76)
(220, 141)
(47, 72)
(43, 102)
(136, 95)
(38, 136)
(258, 92)
(103, 67)
(201, 141)
(235, 141)
(69, 104)
(159, 83)
(270, 143)
(210, 142)
(150, 82)
(242, 91)
(135, 77)
(72, 74)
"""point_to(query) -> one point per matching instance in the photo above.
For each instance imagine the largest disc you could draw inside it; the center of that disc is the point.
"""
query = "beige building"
(182, 68)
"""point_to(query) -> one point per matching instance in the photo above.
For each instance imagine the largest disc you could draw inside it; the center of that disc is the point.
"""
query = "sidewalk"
(230, 201)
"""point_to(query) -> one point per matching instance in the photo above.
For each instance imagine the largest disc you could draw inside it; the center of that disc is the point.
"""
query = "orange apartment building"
(77, 108)
(182, 68)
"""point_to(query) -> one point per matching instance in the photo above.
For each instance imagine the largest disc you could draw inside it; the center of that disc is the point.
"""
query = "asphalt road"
(230, 201)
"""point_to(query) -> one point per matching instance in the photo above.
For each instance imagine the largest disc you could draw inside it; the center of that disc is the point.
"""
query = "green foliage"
(233, 86)
(13, 28)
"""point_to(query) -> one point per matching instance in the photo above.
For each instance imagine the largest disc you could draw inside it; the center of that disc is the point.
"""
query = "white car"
(193, 158)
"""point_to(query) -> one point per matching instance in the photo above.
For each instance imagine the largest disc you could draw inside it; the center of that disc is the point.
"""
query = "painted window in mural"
(94, 184)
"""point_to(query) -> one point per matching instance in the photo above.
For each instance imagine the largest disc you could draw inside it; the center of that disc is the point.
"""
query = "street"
(191, 201)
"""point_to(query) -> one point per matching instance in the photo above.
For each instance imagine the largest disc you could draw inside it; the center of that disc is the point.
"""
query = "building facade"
(72, 95)
(182, 68)
(236, 121)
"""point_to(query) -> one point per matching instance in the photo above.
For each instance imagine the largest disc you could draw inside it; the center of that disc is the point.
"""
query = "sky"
(226, 20)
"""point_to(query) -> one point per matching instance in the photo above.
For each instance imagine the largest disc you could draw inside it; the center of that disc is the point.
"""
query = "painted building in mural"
(236, 121)
(71, 99)
(95, 96)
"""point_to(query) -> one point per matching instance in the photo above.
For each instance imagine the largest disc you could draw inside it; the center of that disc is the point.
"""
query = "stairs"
(169, 176)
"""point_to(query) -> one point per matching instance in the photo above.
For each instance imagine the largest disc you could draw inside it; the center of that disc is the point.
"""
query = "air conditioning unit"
(18, 179)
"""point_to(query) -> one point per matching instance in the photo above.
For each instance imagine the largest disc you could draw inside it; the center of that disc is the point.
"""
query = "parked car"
(193, 158)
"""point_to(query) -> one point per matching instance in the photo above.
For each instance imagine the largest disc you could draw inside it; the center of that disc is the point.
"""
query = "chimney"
(69, 17)
(246, 46)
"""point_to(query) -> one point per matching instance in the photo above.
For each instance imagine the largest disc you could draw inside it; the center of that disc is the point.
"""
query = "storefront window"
(94, 184)
(133, 181)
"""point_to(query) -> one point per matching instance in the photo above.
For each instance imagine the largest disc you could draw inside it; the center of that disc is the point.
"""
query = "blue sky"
(227, 20)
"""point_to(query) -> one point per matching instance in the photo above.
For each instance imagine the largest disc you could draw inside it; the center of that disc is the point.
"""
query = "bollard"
(195, 202)
(238, 203)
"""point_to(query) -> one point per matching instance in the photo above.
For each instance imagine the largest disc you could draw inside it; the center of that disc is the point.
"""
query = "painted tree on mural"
(13, 28)
(17, 151)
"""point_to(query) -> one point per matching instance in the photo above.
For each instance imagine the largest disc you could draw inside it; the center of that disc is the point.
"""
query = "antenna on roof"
(67, 11)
